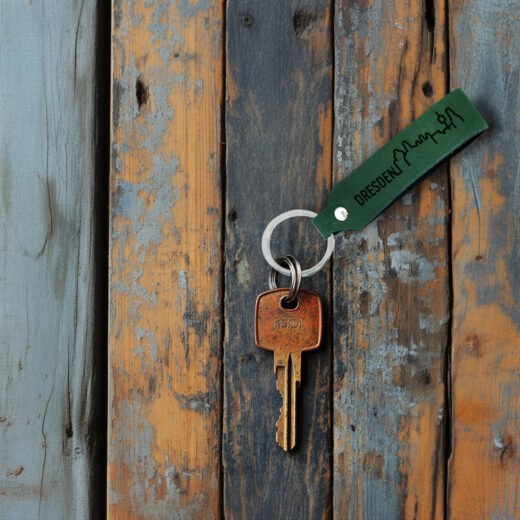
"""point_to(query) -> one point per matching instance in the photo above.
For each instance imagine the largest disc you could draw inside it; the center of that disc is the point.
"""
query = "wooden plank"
(391, 285)
(278, 126)
(50, 445)
(484, 469)
(165, 280)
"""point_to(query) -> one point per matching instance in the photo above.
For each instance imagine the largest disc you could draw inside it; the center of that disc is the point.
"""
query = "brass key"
(288, 332)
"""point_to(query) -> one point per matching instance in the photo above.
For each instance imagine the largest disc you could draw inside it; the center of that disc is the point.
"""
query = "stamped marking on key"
(287, 323)
(288, 332)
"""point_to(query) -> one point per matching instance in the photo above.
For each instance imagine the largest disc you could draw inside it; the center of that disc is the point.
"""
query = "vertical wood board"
(391, 279)
(278, 129)
(485, 464)
(165, 277)
(49, 446)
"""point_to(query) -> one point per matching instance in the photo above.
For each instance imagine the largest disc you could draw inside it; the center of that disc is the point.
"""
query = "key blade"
(286, 424)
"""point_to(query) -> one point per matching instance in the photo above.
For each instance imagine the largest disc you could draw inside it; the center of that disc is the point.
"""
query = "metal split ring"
(296, 276)
(266, 243)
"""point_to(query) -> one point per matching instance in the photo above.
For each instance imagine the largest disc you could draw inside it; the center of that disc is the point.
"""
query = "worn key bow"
(288, 328)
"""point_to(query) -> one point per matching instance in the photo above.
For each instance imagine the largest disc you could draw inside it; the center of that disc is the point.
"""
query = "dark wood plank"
(278, 126)
(51, 341)
(391, 284)
(484, 476)
(165, 286)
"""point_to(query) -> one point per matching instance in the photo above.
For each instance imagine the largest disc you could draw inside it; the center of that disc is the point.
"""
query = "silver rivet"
(341, 214)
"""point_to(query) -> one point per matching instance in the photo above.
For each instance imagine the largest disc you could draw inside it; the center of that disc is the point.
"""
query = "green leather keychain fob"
(440, 132)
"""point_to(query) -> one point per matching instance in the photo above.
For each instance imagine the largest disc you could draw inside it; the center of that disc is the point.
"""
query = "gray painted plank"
(47, 279)
(278, 126)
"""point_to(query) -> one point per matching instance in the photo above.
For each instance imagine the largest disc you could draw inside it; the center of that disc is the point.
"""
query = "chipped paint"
(412, 267)
(243, 271)
(199, 402)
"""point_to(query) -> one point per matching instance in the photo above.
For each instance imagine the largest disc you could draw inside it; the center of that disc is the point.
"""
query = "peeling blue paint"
(129, 202)
(189, 9)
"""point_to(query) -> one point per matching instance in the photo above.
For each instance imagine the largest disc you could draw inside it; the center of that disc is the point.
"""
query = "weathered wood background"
(129, 377)
(53, 150)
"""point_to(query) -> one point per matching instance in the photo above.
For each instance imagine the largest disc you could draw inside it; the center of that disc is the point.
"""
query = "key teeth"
(280, 431)
(282, 437)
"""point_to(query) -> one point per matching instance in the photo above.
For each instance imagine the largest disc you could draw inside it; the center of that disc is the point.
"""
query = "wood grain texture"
(278, 127)
(391, 280)
(165, 279)
(484, 469)
(49, 447)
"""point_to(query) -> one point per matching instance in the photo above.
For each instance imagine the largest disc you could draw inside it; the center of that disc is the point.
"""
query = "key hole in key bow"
(289, 306)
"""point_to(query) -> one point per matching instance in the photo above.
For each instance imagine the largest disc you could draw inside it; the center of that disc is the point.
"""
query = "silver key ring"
(266, 243)
(296, 276)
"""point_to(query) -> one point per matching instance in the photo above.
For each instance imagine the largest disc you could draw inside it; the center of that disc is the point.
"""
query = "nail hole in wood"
(141, 92)
(232, 215)
(427, 89)
(247, 20)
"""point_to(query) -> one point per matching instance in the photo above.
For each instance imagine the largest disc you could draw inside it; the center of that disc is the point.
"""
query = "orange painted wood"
(391, 279)
(484, 470)
(165, 260)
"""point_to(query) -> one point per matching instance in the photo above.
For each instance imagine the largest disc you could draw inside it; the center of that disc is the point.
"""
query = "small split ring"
(296, 276)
